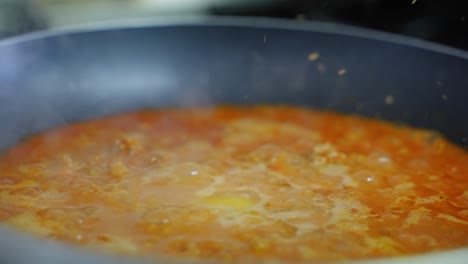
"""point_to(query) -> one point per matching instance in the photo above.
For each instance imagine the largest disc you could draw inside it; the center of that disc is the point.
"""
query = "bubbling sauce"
(236, 184)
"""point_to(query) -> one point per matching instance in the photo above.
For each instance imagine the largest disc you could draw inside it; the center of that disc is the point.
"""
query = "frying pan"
(52, 78)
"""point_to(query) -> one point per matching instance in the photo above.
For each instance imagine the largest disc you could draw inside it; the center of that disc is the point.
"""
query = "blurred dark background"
(441, 21)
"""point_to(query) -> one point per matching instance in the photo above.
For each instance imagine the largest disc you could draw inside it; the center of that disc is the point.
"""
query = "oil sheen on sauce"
(237, 184)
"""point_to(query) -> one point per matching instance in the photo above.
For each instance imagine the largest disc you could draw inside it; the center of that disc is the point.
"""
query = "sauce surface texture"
(239, 183)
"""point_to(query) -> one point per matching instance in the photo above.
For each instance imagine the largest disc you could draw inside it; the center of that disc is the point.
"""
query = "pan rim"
(233, 21)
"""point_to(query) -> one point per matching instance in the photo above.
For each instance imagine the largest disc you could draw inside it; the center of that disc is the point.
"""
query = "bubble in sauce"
(380, 158)
(52, 213)
(27, 191)
(8, 181)
(365, 176)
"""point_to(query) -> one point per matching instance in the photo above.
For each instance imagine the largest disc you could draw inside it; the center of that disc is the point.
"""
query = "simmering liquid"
(236, 184)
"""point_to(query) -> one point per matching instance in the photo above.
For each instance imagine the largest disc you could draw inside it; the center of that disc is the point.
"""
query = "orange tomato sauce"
(236, 184)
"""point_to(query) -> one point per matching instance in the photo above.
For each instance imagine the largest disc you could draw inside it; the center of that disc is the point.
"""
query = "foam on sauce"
(232, 184)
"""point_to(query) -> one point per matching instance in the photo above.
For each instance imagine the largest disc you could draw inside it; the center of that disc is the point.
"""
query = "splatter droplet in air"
(342, 72)
(321, 68)
(389, 99)
(313, 56)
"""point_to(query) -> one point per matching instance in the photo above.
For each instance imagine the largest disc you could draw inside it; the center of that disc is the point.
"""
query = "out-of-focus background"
(443, 21)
